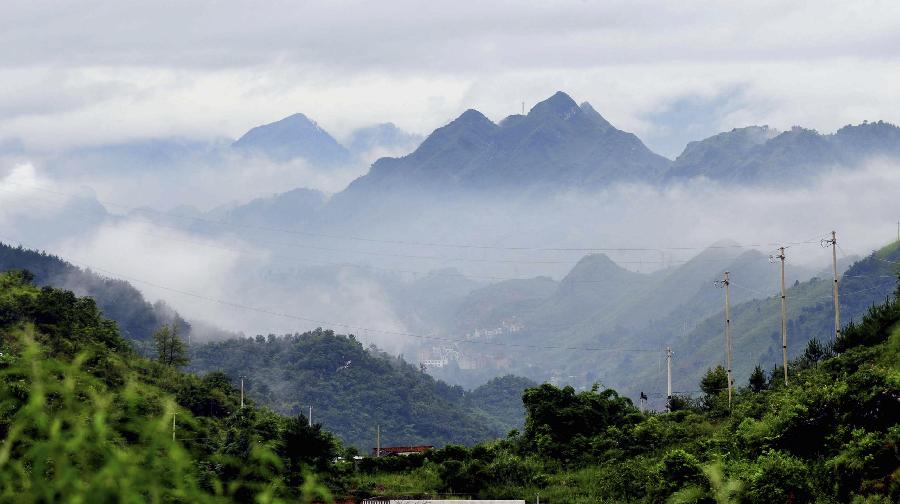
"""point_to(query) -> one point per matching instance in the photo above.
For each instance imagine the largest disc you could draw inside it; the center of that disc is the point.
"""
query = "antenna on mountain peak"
(523, 108)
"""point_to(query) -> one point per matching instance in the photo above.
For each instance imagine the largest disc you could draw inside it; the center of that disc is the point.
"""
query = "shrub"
(778, 477)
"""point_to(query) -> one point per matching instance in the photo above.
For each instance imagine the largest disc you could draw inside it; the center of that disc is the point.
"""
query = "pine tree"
(757, 379)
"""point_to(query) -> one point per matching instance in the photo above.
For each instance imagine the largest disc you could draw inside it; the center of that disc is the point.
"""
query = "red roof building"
(401, 450)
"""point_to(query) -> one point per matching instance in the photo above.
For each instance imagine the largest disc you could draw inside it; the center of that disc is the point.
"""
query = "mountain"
(353, 389)
(491, 305)
(596, 286)
(411, 406)
(837, 421)
(756, 324)
(557, 144)
(118, 300)
(87, 419)
(759, 154)
(295, 136)
(291, 209)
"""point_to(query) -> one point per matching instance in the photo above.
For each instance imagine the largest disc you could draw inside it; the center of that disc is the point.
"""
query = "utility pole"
(837, 303)
(725, 283)
(310, 415)
(668, 378)
(173, 425)
(242, 392)
(783, 318)
(378, 441)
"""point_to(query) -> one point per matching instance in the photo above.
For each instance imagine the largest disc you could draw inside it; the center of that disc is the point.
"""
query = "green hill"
(117, 299)
(757, 323)
(83, 418)
(353, 389)
(831, 436)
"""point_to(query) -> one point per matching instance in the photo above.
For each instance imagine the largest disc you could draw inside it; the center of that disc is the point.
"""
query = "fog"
(359, 279)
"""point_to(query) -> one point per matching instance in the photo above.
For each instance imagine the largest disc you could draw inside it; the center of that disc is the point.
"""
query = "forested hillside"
(85, 419)
(757, 323)
(832, 435)
(117, 299)
(353, 389)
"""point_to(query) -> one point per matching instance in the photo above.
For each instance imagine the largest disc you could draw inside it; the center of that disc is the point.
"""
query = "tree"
(170, 349)
(757, 379)
(714, 381)
(815, 351)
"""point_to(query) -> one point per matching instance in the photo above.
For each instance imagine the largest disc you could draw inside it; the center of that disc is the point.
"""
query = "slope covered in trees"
(757, 323)
(353, 389)
(117, 299)
(831, 435)
(85, 419)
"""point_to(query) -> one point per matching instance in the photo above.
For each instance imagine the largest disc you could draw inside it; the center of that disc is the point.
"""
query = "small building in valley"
(400, 450)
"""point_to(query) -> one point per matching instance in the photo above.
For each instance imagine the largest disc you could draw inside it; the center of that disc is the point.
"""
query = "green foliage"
(778, 477)
(872, 330)
(757, 381)
(291, 372)
(170, 350)
(676, 470)
(118, 300)
(830, 435)
(714, 381)
(84, 419)
(560, 422)
(500, 399)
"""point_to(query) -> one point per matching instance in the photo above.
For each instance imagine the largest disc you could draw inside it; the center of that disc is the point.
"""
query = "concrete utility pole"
(242, 392)
(310, 415)
(668, 378)
(725, 284)
(378, 441)
(837, 303)
(783, 318)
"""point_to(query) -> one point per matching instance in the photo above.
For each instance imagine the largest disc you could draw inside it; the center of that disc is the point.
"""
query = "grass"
(419, 482)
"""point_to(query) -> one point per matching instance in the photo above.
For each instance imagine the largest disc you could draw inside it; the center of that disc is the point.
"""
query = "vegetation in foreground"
(831, 435)
(84, 418)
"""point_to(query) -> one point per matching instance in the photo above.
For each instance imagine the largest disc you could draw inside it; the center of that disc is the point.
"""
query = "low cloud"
(307, 284)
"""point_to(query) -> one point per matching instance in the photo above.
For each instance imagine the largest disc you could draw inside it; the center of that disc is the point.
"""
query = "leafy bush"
(778, 477)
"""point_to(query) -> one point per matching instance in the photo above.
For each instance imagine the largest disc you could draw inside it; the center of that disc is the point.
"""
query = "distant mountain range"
(758, 154)
(560, 145)
(296, 137)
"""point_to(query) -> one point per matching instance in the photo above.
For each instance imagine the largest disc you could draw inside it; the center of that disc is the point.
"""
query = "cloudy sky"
(93, 72)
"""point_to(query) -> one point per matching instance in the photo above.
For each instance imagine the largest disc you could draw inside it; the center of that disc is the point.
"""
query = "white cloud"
(108, 71)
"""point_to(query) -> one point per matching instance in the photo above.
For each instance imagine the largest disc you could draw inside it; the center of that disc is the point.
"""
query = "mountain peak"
(472, 116)
(294, 136)
(560, 105)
